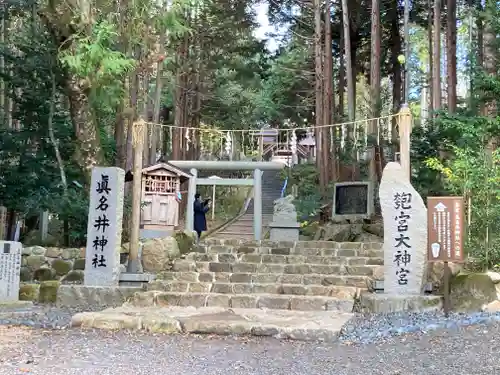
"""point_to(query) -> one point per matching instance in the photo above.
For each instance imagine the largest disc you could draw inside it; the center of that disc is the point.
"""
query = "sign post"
(445, 236)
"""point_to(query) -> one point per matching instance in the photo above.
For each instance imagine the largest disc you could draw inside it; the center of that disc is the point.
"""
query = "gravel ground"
(363, 329)
(372, 328)
(39, 316)
(37, 340)
(469, 350)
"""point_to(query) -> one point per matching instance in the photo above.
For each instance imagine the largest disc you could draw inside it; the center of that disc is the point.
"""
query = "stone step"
(284, 259)
(236, 232)
(347, 253)
(244, 267)
(342, 292)
(223, 235)
(233, 246)
(283, 324)
(298, 245)
(266, 278)
(247, 301)
(242, 224)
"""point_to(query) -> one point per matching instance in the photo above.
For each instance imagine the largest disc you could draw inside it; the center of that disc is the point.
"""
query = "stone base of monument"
(145, 234)
(135, 279)
(284, 231)
(94, 296)
(380, 303)
(15, 304)
(378, 287)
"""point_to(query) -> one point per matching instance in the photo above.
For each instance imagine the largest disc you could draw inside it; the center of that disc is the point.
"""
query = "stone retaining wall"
(65, 265)
(46, 269)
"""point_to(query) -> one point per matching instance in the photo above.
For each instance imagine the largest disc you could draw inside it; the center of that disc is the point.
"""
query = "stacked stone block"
(315, 275)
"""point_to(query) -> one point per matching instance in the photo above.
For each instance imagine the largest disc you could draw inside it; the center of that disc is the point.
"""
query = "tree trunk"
(341, 109)
(319, 94)
(178, 102)
(156, 133)
(120, 139)
(3, 32)
(436, 51)
(351, 99)
(490, 53)
(374, 89)
(328, 157)
(132, 115)
(88, 152)
(480, 46)
(148, 141)
(396, 69)
(7, 92)
(430, 82)
(451, 52)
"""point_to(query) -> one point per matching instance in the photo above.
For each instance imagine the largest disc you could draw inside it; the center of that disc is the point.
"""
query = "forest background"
(75, 75)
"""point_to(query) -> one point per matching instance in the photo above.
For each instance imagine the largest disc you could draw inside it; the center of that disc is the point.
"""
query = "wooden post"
(138, 143)
(405, 126)
(446, 289)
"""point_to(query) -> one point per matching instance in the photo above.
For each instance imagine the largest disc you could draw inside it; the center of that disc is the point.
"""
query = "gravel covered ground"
(470, 351)
(368, 343)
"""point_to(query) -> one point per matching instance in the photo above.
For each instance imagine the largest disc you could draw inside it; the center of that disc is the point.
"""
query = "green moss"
(61, 267)
(35, 261)
(79, 264)
(309, 230)
(25, 274)
(44, 274)
(184, 242)
(470, 291)
(29, 292)
(48, 291)
(73, 277)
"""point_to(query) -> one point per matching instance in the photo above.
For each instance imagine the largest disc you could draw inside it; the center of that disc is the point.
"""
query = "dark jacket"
(200, 221)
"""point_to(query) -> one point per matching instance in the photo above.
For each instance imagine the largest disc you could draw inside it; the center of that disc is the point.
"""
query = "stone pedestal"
(284, 231)
(374, 303)
(104, 231)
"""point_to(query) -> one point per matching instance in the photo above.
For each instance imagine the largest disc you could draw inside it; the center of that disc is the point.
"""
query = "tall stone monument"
(10, 269)
(104, 230)
(405, 233)
(284, 226)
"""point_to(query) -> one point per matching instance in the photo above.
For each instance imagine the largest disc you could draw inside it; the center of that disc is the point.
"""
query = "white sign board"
(10, 268)
(104, 230)
(405, 233)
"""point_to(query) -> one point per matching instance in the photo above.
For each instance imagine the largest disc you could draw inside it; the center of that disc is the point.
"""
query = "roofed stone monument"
(284, 226)
(405, 233)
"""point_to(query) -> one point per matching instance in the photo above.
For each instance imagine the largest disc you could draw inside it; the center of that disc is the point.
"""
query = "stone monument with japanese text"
(405, 233)
(104, 230)
(10, 269)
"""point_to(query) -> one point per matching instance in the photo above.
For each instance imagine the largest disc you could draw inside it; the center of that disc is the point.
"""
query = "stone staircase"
(271, 190)
(301, 276)
(243, 227)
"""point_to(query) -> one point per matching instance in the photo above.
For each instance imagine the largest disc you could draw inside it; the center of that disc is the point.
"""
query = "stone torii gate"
(256, 182)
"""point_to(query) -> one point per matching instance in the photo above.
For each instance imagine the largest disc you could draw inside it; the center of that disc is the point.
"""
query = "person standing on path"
(200, 209)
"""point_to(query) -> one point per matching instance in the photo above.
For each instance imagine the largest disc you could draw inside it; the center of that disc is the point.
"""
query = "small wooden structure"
(307, 147)
(160, 196)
